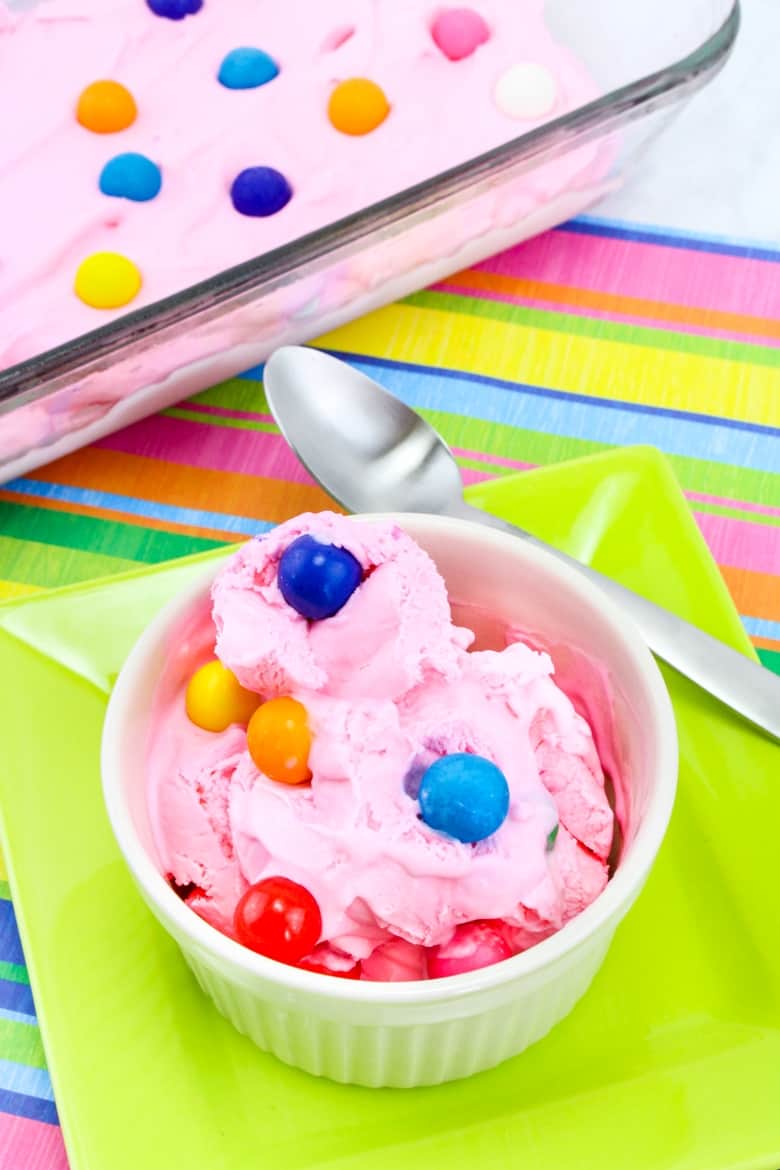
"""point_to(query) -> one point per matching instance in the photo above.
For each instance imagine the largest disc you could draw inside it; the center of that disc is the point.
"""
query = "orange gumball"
(357, 106)
(106, 107)
(278, 739)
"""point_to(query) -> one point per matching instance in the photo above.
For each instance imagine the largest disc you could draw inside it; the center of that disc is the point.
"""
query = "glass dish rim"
(28, 381)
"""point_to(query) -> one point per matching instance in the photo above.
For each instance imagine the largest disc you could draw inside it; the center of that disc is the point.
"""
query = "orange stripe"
(181, 486)
(767, 644)
(757, 594)
(583, 298)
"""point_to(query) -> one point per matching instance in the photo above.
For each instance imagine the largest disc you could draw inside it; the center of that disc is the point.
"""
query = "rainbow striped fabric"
(596, 334)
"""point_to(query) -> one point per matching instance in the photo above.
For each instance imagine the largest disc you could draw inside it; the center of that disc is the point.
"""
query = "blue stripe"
(34, 1108)
(16, 996)
(10, 943)
(241, 525)
(575, 416)
(762, 628)
(21, 1078)
(563, 396)
(17, 1017)
(616, 229)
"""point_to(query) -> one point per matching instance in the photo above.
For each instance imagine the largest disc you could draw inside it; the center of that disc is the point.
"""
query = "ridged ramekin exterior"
(422, 1033)
(403, 1055)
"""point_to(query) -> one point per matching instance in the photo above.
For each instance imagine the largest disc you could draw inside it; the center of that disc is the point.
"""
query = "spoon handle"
(744, 685)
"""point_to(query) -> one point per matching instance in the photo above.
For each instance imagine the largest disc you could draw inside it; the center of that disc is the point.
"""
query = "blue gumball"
(175, 9)
(317, 579)
(464, 796)
(131, 176)
(260, 191)
(247, 68)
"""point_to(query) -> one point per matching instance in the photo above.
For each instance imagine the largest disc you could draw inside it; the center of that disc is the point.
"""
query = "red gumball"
(279, 919)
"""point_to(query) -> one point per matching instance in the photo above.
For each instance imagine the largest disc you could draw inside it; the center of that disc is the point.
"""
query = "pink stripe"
(651, 271)
(496, 460)
(734, 542)
(573, 310)
(30, 1145)
(469, 475)
(740, 543)
(742, 505)
(224, 411)
(517, 465)
(737, 543)
(178, 440)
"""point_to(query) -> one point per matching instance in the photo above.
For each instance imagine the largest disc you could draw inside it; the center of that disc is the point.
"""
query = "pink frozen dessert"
(350, 788)
(173, 139)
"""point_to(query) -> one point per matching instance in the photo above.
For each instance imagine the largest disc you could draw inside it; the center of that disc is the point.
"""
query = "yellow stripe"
(9, 589)
(3, 870)
(596, 368)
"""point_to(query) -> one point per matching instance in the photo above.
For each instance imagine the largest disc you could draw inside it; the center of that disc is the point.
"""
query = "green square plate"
(671, 1060)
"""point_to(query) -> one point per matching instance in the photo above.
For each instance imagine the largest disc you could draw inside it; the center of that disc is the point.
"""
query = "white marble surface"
(717, 168)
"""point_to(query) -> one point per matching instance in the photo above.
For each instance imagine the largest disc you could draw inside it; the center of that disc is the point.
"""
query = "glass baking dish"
(647, 56)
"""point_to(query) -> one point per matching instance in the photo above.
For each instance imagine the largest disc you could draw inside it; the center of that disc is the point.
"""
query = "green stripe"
(770, 658)
(90, 534)
(737, 513)
(21, 1043)
(722, 479)
(495, 470)
(13, 972)
(508, 442)
(235, 394)
(597, 328)
(5, 890)
(49, 567)
(211, 420)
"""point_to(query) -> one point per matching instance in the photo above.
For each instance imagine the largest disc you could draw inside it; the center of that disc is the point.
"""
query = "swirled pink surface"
(443, 112)
(389, 685)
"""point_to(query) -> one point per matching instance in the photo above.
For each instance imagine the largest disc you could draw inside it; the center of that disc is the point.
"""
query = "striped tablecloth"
(594, 335)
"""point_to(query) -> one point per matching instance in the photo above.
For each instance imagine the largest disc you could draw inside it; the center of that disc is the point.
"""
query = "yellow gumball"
(106, 280)
(215, 698)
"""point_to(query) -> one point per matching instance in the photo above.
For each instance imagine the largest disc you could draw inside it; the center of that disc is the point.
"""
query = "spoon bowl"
(361, 443)
(373, 453)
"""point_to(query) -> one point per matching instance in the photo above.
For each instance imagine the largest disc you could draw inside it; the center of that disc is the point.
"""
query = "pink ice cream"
(390, 686)
(438, 68)
(401, 612)
(460, 80)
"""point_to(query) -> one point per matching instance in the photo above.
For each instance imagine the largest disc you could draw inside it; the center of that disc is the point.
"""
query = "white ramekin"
(407, 1034)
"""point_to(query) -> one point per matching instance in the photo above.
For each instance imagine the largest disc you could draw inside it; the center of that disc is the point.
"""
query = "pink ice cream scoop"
(394, 632)
(452, 810)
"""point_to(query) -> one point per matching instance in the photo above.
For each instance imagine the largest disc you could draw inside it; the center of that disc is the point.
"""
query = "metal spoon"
(373, 453)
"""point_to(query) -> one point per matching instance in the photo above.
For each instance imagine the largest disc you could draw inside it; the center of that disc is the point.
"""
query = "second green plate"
(671, 1060)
